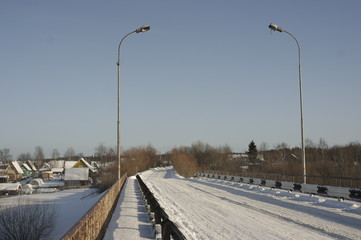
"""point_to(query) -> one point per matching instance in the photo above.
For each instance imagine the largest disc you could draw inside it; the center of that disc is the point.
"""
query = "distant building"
(76, 177)
(79, 174)
(26, 169)
(10, 188)
(47, 175)
(14, 171)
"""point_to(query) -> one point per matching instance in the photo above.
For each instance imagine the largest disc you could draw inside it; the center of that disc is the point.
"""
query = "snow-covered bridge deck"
(216, 209)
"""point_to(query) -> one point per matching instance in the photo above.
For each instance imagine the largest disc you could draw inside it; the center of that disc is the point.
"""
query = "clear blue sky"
(207, 70)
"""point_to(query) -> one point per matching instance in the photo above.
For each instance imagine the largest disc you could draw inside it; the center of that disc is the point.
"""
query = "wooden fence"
(93, 224)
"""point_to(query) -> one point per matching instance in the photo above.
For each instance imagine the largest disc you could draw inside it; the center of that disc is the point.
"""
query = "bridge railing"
(322, 189)
(94, 222)
(346, 182)
(168, 228)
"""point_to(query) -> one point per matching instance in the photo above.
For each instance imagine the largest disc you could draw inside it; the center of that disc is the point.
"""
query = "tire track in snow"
(205, 210)
(278, 216)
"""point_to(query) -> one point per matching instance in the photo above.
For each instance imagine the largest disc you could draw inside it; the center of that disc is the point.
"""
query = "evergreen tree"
(252, 152)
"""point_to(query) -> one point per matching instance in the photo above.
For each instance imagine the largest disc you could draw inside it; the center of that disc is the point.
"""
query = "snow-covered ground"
(215, 209)
(130, 220)
(70, 206)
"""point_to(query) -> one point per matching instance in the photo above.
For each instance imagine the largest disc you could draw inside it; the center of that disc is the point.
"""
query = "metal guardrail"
(326, 190)
(93, 224)
(168, 228)
(348, 182)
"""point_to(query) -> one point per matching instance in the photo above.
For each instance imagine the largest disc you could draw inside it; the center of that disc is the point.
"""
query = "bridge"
(212, 208)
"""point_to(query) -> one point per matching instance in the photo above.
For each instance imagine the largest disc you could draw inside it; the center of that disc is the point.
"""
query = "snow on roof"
(31, 164)
(76, 174)
(17, 167)
(82, 160)
(9, 186)
(27, 186)
(69, 164)
(45, 167)
(57, 170)
(26, 166)
(57, 163)
(37, 181)
(95, 164)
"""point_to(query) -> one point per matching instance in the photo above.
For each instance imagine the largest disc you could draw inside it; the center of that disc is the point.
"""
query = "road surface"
(214, 209)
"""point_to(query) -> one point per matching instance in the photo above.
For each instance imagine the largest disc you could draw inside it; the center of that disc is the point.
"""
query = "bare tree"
(70, 154)
(26, 220)
(55, 154)
(323, 146)
(101, 152)
(39, 156)
(5, 155)
(24, 157)
(283, 152)
(263, 147)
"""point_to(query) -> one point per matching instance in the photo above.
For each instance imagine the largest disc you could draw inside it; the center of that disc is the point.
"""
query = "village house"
(79, 175)
(34, 170)
(26, 169)
(14, 171)
(47, 175)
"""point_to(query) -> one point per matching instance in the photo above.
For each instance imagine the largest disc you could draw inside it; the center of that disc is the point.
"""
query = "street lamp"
(274, 27)
(143, 28)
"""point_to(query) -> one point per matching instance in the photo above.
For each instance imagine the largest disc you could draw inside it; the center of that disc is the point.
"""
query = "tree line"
(321, 159)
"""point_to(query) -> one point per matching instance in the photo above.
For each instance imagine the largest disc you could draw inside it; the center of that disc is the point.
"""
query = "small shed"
(10, 188)
(76, 177)
(47, 175)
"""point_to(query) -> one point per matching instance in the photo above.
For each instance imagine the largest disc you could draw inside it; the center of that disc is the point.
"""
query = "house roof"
(17, 167)
(45, 167)
(26, 166)
(37, 181)
(83, 163)
(57, 163)
(57, 169)
(69, 164)
(31, 164)
(9, 186)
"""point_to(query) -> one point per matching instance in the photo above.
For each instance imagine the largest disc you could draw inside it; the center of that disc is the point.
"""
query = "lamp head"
(274, 27)
(143, 28)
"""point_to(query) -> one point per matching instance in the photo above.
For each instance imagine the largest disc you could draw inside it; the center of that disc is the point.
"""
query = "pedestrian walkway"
(130, 221)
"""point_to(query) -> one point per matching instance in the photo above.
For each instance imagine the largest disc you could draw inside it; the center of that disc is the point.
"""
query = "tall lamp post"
(143, 28)
(274, 27)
